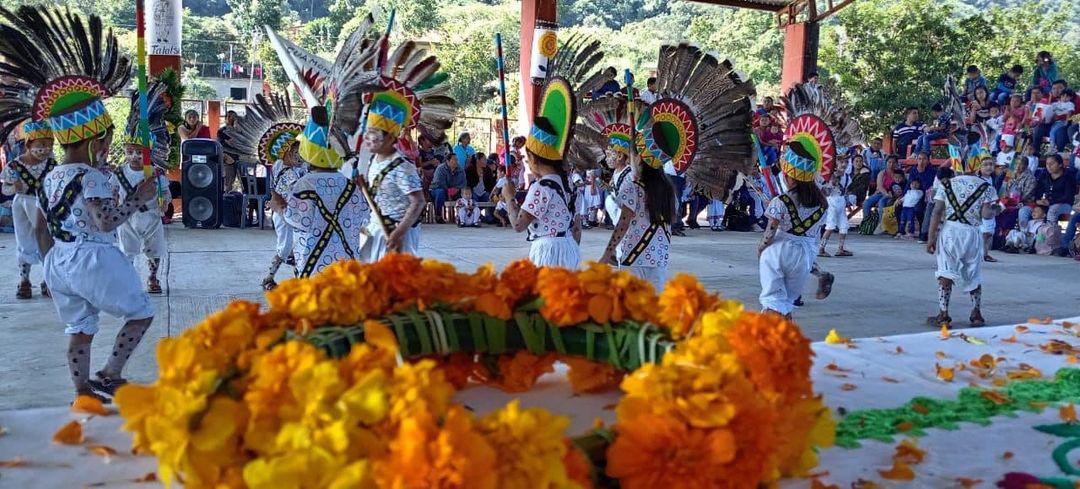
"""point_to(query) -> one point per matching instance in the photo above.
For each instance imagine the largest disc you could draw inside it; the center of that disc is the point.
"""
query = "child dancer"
(85, 271)
(284, 174)
(836, 220)
(716, 215)
(143, 233)
(22, 179)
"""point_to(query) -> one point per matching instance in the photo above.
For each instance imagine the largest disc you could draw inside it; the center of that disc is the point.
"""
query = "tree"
(466, 51)
(195, 87)
(886, 56)
(252, 15)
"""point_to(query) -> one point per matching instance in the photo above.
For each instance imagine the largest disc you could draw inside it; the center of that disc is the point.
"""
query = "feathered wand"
(144, 109)
(499, 61)
(628, 77)
(378, 69)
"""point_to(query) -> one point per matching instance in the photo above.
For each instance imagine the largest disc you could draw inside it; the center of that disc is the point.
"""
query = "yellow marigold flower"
(805, 426)
(418, 388)
(357, 475)
(529, 447)
(701, 395)
(450, 456)
(683, 302)
(774, 353)
(723, 316)
(590, 376)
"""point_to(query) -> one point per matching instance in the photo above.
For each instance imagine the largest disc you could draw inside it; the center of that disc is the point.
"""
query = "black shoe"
(290, 260)
(460, 225)
(799, 302)
(1062, 252)
(475, 225)
(678, 232)
(105, 385)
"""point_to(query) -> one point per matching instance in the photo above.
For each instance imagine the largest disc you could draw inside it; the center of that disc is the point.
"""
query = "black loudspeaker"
(200, 183)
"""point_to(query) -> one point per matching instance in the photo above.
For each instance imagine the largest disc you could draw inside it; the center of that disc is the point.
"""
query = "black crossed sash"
(376, 183)
(622, 176)
(643, 243)
(55, 215)
(33, 184)
(562, 195)
(128, 188)
(332, 225)
(960, 210)
(799, 227)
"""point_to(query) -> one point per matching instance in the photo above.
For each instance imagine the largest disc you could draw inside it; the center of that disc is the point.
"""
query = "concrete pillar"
(213, 116)
(534, 13)
(800, 53)
(164, 19)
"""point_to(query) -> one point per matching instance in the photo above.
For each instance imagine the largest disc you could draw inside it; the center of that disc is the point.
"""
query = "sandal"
(990, 259)
(825, 283)
(153, 286)
(976, 319)
(844, 253)
(823, 254)
(45, 290)
(25, 290)
(939, 320)
(268, 284)
(105, 385)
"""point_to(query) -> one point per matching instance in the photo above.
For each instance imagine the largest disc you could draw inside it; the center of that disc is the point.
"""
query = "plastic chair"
(249, 175)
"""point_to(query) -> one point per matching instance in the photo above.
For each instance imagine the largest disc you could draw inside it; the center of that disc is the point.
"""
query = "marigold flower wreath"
(312, 392)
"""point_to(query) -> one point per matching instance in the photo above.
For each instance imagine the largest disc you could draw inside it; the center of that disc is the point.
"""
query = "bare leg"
(126, 340)
(944, 295)
(824, 243)
(78, 357)
(976, 317)
(268, 282)
(152, 284)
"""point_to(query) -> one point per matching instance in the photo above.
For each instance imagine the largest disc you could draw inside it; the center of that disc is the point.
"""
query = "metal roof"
(768, 5)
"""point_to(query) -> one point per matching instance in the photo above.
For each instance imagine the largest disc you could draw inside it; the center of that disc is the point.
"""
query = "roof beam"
(747, 4)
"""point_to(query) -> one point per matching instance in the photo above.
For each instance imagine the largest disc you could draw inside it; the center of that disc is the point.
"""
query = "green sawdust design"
(970, 406)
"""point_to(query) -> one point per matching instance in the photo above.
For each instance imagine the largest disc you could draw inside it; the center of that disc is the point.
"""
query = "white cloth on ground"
(86, 278)
(552, 251)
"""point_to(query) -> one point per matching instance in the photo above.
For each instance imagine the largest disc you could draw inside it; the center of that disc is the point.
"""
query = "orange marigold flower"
(590, 376)
(457, 367)
(578, 468)
(565, 299)
(447, 456)
(683, 302)
(519, 279)
(657, 451)
(774, 353)
(518, 372)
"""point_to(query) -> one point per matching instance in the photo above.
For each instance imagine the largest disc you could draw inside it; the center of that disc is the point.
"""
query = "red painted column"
(794, 68)
(164, 21)
(533, 13)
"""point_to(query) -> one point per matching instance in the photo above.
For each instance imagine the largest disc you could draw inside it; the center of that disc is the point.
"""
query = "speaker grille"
(200, 176)
(200, 208)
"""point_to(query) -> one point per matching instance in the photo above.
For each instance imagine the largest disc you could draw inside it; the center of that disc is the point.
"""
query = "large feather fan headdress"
(58, 69)
(700, 122)
(819, 124)
(604, 123)
(266, 131)
(570, 75)
(160, 140)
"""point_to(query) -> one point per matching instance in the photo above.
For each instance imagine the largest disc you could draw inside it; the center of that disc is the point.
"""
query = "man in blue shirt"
(874, 158)
(974, 80)
(905, 133)
(940, 128)
(448, 181)
(610, 86)
(1006, 84)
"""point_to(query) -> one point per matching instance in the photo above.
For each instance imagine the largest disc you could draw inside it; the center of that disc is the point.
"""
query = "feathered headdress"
(58, 69)
(604, 123)
(266, 131)
(568, 79)
(818, 123)
(160, 139)
(954, 108)
(701, 120)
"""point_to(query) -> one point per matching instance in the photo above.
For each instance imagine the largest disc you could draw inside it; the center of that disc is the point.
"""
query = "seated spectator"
(1006, 85)
(649, 95)
(938, 128)
(859, 184)
(192, 127)
(429, 159)
(609, 85)
(1046, 71)
(449, 179)
(1021, 186)
(771, 137)
(1042, 113)
(993, 127)
(874, 158)
(1068, 240)
(468, 213)
(906, 132)
(463, 149)
(1007, 155)
(973, 80)
(1055, 190)
(882, 189)
(979, 106)
(1063, 109)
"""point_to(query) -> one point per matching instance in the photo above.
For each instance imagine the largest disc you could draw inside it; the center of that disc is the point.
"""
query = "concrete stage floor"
(887, 288)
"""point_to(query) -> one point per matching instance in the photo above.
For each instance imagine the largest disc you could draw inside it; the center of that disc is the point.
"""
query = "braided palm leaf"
(39, 45)
(262, 119)
(701, 120)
